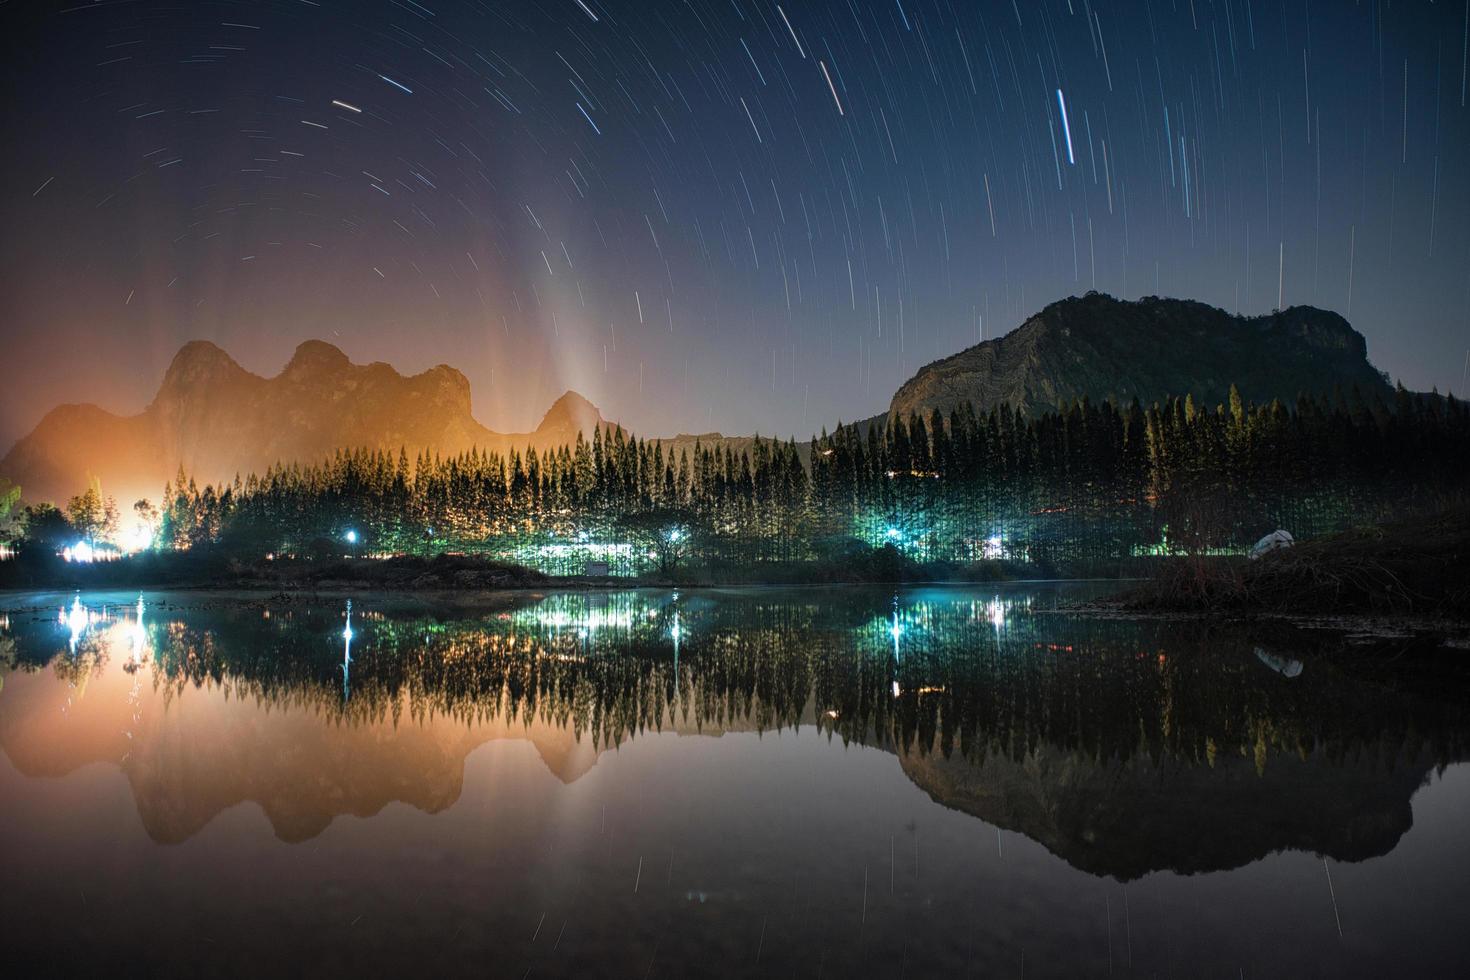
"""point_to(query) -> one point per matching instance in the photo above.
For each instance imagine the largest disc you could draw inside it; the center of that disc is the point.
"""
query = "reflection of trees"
(966, 678)
(1124, 747)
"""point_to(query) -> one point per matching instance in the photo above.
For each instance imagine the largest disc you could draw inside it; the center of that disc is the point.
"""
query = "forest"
(1082, 488)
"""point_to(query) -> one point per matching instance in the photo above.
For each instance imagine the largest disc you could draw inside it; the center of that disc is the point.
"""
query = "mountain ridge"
(1078, 347)
(217, 420)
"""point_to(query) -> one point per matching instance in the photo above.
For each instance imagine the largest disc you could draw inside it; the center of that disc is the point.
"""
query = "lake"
(747, 783)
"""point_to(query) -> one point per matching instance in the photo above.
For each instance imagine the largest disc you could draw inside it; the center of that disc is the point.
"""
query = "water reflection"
(347, 655)
(1123, 747)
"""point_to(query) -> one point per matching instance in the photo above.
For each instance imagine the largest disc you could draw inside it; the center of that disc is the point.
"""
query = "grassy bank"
(1415, 567)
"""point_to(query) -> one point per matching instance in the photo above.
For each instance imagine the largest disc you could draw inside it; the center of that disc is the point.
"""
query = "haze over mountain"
(1100, 347)
(217, 420)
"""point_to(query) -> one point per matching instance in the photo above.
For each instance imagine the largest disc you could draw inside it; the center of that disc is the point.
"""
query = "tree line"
(1087, 483)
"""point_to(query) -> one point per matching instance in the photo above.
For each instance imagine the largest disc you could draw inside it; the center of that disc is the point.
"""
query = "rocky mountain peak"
(315, 359)
(570, 412)
(198, 363)
(1101, 347)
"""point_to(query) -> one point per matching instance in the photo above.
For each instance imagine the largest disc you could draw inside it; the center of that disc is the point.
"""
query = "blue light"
(892, 532)
(351, 537)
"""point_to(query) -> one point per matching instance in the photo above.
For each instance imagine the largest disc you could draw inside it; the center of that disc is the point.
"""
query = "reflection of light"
(896, 630)
(591, 621)
(79, 552)
(75, 620)
(139, 635)
(347, 654)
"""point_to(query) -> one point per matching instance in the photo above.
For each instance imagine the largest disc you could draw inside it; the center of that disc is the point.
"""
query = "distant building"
(595, 569)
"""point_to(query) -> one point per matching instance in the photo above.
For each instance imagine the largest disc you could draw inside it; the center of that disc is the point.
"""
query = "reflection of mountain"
(1126, 819)
(191, 755)
(1119, 762)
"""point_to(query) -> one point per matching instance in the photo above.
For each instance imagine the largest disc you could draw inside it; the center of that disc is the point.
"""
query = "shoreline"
(485, 598)
(1355, 627)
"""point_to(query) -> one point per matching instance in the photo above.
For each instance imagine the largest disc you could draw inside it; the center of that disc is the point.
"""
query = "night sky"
(710, 213)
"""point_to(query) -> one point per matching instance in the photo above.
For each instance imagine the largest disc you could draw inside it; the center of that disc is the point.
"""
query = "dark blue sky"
(717, 213)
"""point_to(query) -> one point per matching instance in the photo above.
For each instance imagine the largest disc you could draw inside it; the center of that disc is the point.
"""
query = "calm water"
(745, 783)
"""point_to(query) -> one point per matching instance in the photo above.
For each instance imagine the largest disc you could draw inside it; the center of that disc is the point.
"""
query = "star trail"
(712, 214)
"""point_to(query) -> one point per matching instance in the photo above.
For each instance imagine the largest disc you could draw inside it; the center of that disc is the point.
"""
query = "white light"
(139, 538)
(75, 620)
(1066, 127)
(675, 534)
(139, 634)
(80, 552)
(351, 537)
(587, 622)
(892, 532)
(347, 635)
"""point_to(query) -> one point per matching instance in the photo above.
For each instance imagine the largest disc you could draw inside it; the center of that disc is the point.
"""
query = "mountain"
(217, 420)
(1100, 347)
